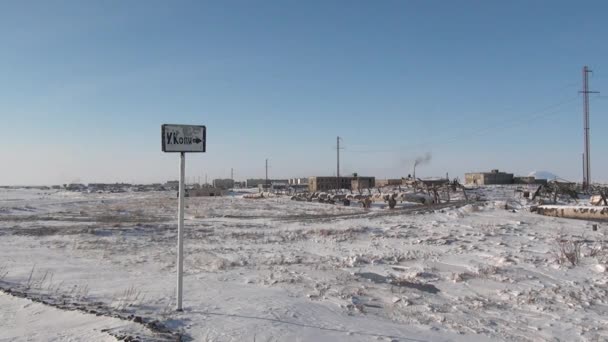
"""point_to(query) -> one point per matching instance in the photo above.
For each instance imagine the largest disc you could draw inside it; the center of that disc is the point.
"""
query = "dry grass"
(28, 284)
(79, 292)
(129, 297)
(567, 251)
(598, 251)
(482, 272)
(3, 272)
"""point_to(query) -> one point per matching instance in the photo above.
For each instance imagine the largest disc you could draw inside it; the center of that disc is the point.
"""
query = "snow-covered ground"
(24, 320)
(279, 270)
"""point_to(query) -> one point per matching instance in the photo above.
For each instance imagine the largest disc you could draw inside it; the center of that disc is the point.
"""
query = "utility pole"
(180, 230)
(584, 176)
(266, 172)
(587, 154)
(232, 174)
(338, 164)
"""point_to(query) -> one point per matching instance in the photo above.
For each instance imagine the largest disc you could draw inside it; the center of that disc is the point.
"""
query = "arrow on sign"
(197, 140)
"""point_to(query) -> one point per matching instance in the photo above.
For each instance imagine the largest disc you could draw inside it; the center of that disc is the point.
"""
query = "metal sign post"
(180, 230)
(182, 139)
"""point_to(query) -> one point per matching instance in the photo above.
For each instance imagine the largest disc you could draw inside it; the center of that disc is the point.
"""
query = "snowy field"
(84, 267)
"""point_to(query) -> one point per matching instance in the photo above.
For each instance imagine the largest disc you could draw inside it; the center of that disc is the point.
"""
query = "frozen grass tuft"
(28, 284)
(128, 298)
(3, 272)
(567, 251)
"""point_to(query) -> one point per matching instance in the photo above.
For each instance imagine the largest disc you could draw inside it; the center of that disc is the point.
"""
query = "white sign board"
(184, 138)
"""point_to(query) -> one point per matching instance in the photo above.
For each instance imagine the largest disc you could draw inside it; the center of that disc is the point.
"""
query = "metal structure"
(587, 148)
(180, 232)
(183, 139)
(338, 163)
(266, 181)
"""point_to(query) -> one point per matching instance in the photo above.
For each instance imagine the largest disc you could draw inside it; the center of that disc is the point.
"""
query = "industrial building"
(205, 191)
(529, 180)
(298, 181)
(497, 177)
(487, 178)
(172, 185)
(316, 184)
(360, 183)
(254, 183)
(389, 182)
(226, 183)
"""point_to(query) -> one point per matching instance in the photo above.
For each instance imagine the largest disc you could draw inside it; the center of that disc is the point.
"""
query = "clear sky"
(86, 85)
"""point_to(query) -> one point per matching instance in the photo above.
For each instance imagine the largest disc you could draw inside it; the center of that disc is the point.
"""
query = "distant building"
(223, 183)
(432, 182)
(172, 185)
(264, 187)
(298, 181)
(113, 187)
(316, 184)
(76, 187)
(360, 183)
(389, 182)
(488, 178)
(529, 180)
(205, 191)
(253, 183)
(497, 177)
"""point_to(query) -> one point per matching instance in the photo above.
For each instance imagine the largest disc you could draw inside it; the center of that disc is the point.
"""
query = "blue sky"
(86, 86)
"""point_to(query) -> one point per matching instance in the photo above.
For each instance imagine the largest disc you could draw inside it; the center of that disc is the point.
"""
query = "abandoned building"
(497, 177)
(298, 181)
(529, 180)
(360, 183)
(389, 182)
(223, 183)
(432, 182)
(204, 190)
(172, 185)
(316, 184)
(487, 178)
(254, 183)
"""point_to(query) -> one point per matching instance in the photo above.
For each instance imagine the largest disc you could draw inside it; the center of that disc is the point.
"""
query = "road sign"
(184, 138)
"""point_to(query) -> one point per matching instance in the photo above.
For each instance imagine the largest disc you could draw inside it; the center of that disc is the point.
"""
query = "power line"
(510, 122)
